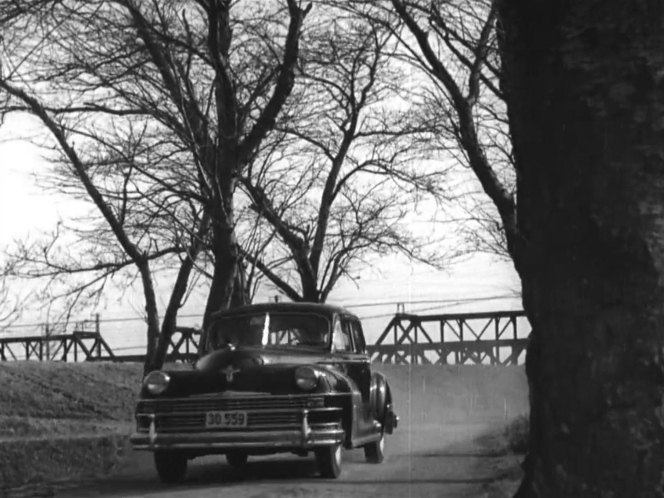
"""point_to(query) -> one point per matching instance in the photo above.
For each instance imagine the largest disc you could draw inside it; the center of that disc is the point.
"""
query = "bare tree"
(455, 86)
(344, 172)
(154, 110)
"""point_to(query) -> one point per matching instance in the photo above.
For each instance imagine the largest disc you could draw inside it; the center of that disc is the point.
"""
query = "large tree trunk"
(310, 293)
(226, 258)
(151, 311)
(585, 94)
(222, 223)
(241, 294)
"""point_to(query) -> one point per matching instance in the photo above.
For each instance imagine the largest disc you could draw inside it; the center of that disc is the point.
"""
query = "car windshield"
(270, 328)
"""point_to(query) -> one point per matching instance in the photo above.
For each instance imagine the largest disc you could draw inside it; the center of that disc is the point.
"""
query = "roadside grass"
(54, 391)
(61, 422)
(15, 427)
(516, 435)
(509, 443)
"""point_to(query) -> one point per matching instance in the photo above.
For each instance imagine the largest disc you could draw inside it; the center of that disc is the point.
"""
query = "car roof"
(325, 309)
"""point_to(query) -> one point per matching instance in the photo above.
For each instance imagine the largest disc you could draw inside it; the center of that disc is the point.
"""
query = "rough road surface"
(426, 461)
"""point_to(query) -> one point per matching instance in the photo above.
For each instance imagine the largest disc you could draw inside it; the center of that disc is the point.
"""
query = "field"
(61, 422)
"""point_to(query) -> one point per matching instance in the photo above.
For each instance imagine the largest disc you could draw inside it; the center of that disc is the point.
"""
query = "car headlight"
(306, 378)
(156, 382)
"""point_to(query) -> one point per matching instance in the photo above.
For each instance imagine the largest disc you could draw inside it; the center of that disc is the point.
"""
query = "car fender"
(380, 396)
(343, 386)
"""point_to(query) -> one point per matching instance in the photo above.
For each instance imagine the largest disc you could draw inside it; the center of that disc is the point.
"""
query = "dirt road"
(424, 460)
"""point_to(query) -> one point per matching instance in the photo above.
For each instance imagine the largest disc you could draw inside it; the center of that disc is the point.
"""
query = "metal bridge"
(495, 338)
(84, 343)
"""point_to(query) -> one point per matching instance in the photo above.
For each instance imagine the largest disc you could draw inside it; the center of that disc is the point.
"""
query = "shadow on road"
(213, 474)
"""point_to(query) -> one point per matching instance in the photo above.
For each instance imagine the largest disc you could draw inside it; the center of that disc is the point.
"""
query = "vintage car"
(277, 377)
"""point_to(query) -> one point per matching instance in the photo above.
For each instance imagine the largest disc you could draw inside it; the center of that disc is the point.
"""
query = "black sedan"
(278, 377)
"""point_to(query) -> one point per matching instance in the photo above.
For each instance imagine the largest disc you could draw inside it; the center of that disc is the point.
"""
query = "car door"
(346, 356)
(358, 362)
(342, 346)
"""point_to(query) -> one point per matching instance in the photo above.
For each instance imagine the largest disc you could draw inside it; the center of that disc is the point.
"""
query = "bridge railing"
(84, 343)
(89, 345)
(496, 338)
(182, 347)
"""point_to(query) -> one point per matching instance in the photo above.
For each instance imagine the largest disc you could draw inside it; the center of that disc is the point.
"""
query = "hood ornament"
(230, 372)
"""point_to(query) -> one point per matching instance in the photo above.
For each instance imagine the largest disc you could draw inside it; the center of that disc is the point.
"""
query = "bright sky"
(25, 208)
(22, 206)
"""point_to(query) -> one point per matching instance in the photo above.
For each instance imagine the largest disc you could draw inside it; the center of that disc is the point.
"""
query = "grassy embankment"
(60, 421)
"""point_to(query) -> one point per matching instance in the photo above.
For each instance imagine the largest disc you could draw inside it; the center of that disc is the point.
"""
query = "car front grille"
(188, 414)
(196, 422)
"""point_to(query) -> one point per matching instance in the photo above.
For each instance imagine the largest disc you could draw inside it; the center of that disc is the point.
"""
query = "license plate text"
(226, 419)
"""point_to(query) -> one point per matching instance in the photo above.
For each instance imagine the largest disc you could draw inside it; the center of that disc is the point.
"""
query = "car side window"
(358, 336)
(341, 338)
(355, 330)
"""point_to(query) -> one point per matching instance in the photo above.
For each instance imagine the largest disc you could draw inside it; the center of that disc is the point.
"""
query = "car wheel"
(237, 459)
(329, 461)
(171, 466)
(375, 452)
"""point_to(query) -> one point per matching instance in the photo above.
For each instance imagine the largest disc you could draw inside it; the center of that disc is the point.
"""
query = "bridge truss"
(495, 338)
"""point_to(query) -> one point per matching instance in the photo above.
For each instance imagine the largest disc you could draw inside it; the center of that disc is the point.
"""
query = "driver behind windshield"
(238, 331)
(310, 334)
(275, 329)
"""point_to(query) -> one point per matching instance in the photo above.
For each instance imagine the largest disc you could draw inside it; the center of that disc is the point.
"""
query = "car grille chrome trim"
(168, 415)
(225, 440)
(170, 405)
(255, 420)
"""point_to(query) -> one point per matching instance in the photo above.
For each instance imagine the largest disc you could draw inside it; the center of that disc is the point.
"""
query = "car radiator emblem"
(230, 372)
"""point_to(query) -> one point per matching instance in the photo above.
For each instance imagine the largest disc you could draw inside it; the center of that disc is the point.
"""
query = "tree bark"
(151, 311)
(584, 87)
(226, 259)
(241, 294)
(310, 292)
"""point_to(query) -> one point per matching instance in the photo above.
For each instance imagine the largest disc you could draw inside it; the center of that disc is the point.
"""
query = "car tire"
(329, 461)
(375, 452)
(237, 459)
(171, 466)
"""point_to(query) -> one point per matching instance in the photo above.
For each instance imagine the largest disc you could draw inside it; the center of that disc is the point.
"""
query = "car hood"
(251, 370)
(243, 357)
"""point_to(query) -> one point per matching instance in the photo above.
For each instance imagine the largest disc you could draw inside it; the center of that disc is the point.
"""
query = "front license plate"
(226, 419)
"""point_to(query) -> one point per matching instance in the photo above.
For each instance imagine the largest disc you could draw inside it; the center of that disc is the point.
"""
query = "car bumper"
(391, 420)
(306, 437)
(237, 440)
